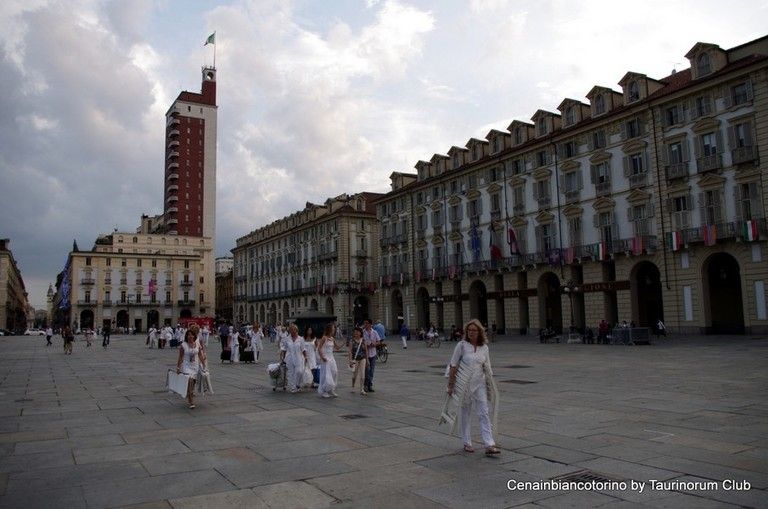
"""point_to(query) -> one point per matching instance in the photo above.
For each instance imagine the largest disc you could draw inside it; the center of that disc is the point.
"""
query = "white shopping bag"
(178, 383)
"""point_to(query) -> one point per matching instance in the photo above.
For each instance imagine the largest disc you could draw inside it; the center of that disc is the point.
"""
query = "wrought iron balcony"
(361, 253)
(87, 281)
(106, 303)
(185, 283)
(496, 215)
(544, 202)
(572, 196)
(519, 209)
(602, 189)
(87, 303)
(187, 303)
(709, 163)
(172, 154)
(677, 170)
(638, 180)
(742, 155)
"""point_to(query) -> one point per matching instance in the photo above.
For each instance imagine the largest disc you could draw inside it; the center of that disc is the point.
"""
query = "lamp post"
(569, 288)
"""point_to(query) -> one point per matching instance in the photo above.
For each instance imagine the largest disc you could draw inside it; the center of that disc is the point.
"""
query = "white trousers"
(295, 373)
(481, 409)
(405, 344)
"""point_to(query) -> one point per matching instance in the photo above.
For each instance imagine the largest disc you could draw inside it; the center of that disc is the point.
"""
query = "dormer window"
(599, 104)
(703, 64)
(496, 144)
(634, 91)
(476, 152)
(518, 136)
(542, 126)
(456, 161)
(569, 116)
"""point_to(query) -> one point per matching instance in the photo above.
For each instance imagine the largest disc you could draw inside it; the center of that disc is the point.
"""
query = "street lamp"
(569, 288)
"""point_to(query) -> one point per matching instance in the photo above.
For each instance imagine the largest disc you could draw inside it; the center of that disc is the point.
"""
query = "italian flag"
(676, 240)
(602, 251)
(751, 233)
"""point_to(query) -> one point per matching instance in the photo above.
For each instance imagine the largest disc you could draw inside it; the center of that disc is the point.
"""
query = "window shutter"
(461, 210)
(595, 220)
(535, 190)
(640, 127)
(630, 213)
(719, 141)
(749, 90)
(479, 206)
(601, 138)
(623, 130)
(755, 198)
(626, 165)
(650, 209)
(697, 147)
(737, 201)
(728, 96)
(692, 109)
(748, 134)
(579, 181)
(686, 151)
(732, 137)
(702, 209)
(666, 155)
(593, 173)
(670, 204)
(590, 142)
(646, 163)
(717, 206)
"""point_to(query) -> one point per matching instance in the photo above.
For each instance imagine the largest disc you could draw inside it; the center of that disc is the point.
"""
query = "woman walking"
(234, 345)
(257, 340)
(357, 360)
(69, 339)
(293, 353)
(191, 357)
(469, 382)
(310, 348)
(329, 372)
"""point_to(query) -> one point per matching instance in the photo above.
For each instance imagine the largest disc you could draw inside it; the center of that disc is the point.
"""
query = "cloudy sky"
(315, 98)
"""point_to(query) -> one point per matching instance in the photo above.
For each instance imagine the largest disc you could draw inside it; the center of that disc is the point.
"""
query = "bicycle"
(382, 353)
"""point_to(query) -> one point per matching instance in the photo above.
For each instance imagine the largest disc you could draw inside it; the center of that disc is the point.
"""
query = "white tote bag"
(178, 383)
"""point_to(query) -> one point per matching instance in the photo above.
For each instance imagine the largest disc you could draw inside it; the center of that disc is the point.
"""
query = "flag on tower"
(211, 39)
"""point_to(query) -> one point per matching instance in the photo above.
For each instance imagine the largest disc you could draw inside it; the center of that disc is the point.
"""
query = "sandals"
(468, 448)
(191, 406)
(492, 451)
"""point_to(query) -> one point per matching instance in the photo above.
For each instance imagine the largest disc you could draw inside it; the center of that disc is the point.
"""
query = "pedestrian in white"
(191, 357)
(256, 337)
(234, 345)
(472, 357)
(205, 333)
(309, 347)
(152, 337)
(293, 353)
(329, 372)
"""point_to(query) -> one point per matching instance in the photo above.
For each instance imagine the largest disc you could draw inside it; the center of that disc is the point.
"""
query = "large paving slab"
(98, 429)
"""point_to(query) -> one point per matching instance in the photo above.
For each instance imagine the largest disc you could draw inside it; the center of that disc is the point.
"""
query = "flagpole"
(214, 49)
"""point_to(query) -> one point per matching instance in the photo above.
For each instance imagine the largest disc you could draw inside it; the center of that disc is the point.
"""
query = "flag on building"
(709, 232)
(514, 247)
(418, 276)
(494, 247)
(553, 257)
(474, 243)
(66, 286)
(211, 39)
(152, 286)
(676, 240)
(569, 255)
(433, 273)
(602, 251)
(751, 232)
(637, 246)
(402, 278)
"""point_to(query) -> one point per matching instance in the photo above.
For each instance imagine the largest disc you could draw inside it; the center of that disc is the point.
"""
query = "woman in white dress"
(310, 348)
(329, 372)
(293, 353)
(191, 357)
(205, 333)
(234, 345)
(471, 356)
(257, 341)
(152, 337)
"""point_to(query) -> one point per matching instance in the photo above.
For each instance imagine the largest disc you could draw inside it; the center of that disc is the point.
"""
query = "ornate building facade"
(642, 204)
(13, 294)
(322, 258)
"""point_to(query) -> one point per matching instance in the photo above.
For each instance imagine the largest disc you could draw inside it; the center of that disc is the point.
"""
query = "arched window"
(703, 64)
(599, 104)
(634, 91)
(569, 116)
(135, 240)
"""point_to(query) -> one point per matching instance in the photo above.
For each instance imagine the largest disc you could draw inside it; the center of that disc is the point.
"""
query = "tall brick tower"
(190, 167)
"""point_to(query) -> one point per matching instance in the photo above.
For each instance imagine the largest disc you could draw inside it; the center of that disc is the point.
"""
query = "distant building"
(13, 295)
(224, 264)
(321, 258)
(224, 295)
(644, 203)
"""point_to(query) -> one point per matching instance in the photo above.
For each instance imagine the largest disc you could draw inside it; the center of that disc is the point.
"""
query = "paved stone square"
(97, 429)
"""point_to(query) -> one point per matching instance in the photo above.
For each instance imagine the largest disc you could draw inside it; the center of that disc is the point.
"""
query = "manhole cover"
(583, 476)
(518, 382)
(517, 366)
(23, 400)
(353, 416)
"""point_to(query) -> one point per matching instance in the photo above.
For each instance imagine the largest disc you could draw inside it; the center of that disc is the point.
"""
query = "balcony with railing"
(638, 180)
(168, 282)
(677, 170)
(173, 187)
(123, 281)
(572, 196)
(518, 209)
(743, 155)
(725, 231)
(495, 215)
(709, 163)
(106, 303)
(173, 210)
(456, 226)
(173, 144)
(172, 154)
(107, 281)
(167, 303)
(173, 166)
(187, 303)
(185, 283)
(139, 282)
(636, 245)
(544, 202)
(86, 303)
(172, 198)
(174, 121)
(361, 253)
(173, 176)
(88, 281)
(400, 238)
(324, 257)
(603, 189)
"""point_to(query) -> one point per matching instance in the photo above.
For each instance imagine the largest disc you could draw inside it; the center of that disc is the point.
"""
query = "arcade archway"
(723, 299)
(550, 303)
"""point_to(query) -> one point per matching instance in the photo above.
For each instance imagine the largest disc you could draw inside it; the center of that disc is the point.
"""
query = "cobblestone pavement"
(96, 429)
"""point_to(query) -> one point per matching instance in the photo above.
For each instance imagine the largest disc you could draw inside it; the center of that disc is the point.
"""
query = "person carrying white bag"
(191, 358)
